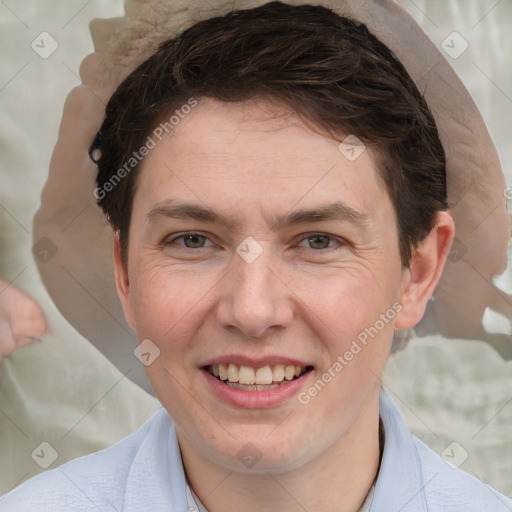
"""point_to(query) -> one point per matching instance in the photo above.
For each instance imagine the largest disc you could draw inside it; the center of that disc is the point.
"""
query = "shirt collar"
(195, 505)
(399, 486)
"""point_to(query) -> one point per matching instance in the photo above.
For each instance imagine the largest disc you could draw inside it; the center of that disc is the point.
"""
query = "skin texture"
(253, 163)
(475, 179)
(21, 320)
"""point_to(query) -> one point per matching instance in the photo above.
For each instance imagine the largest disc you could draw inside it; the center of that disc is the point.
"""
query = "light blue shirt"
(144, 472)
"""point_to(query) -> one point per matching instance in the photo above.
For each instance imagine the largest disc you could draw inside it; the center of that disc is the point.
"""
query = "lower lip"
(256, 399)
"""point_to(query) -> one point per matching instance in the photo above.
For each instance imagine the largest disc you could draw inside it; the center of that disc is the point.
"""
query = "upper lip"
(259, 362)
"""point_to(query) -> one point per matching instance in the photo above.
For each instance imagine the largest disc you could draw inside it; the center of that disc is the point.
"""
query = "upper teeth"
(263, 375)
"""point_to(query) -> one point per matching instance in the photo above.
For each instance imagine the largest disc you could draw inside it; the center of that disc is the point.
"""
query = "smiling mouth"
(256, 379)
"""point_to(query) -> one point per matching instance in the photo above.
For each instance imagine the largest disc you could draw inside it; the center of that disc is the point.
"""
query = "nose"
(254, 299)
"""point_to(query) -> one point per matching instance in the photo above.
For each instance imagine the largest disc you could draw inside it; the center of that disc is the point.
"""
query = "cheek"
(163, 298)
(353, 316)
(345, 311)
(347, 301)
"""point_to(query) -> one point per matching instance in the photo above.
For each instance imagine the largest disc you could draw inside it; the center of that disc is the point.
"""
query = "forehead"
(255, 154)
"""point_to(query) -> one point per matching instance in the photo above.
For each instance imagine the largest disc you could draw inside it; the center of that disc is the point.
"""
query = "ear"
(123, 283)
(424, 272)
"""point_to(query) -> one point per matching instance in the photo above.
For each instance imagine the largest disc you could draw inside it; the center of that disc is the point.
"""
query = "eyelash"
(341, 242)
(183, 236)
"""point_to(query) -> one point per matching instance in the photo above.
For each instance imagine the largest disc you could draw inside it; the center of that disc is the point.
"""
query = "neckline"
(195, 504)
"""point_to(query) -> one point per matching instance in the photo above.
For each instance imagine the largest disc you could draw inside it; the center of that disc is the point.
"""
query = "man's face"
(256, 243)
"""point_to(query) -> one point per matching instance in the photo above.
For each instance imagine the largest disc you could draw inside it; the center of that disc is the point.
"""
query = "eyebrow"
(189, 211)
(332, 212)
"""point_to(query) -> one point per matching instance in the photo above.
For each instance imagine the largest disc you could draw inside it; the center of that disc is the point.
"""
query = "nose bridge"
(254, 280)
(253, 299)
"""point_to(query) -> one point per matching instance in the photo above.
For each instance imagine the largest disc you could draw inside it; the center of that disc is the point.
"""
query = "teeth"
(289, 372)
(232, 373)
(278, 373)
(253, 387)
(246, 375)
(223, 372)
(264, 376)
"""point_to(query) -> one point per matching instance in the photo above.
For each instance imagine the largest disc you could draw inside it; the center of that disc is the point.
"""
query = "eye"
(190, 241)
(318, 241)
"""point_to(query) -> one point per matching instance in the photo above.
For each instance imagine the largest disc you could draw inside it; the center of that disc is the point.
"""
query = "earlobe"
(123, 282)
(424, 272)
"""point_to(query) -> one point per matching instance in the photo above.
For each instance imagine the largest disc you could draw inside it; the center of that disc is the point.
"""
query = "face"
(259, 257)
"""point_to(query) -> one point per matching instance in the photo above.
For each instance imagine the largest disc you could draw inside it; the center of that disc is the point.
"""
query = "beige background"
(62, 391)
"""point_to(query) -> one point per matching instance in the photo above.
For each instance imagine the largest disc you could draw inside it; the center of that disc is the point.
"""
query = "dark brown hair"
(327, 68)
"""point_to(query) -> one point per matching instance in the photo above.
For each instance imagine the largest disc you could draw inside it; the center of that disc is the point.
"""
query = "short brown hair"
(328, 69)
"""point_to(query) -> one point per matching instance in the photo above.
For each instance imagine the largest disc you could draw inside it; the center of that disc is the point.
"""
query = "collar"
(399, 484)
(195, 505)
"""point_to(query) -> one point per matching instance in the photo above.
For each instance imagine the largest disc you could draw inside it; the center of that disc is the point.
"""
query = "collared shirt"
(144, 472)
(195, 505)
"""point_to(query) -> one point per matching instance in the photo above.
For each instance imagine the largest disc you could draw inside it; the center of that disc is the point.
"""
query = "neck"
(336, 481)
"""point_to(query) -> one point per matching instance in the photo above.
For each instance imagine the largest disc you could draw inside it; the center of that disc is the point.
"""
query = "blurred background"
(456, 395)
